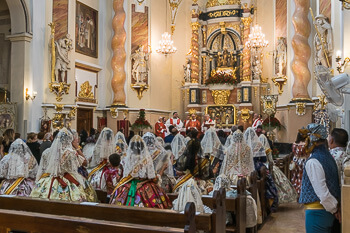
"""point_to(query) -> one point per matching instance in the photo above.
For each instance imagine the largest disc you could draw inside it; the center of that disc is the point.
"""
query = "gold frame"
(227, 105)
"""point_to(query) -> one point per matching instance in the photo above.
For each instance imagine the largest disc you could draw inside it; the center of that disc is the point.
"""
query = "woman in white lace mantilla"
(61, 180)
(178, 146)
(285, 190)
(238, 160)
(103, 171)
(162, 161)
(18, 168)
(138, 187)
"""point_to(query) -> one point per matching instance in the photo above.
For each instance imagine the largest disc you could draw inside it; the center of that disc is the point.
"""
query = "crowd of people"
(140, 171)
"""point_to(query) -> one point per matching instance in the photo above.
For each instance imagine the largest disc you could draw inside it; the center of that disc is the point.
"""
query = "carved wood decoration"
(119, 53)
(301, 48)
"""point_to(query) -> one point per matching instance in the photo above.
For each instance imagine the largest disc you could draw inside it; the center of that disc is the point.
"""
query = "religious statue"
(63, 46)
(140, 65)
(323, 41)
(187, 71)
(224, 59)
(281, 57)
(256, 67)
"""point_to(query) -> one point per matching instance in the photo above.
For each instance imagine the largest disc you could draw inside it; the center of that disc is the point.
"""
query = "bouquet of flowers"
(275, 153)
(271, 123)
(222, 78)
(141, 122)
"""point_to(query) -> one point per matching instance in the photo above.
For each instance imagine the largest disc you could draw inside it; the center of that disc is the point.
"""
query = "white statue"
(63, 46)
(140, 65)
(281, 57)
(187, 71)
(256, 67)
(323, 45)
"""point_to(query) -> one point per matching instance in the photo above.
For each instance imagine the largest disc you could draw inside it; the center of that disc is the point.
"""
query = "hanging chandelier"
(256, 39)
(166, 45)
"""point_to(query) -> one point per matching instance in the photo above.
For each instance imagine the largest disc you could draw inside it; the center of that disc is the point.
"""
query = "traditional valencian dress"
(18, 168)
(259, 157)
(285, 190)
(138, 187)
(103, 176)
(161, 161)
(61, 180)
(238, 160)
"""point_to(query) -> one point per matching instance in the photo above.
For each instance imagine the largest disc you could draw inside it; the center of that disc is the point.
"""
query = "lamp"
(256, 39)
(30, 95)
(166, 45)
(341, 65)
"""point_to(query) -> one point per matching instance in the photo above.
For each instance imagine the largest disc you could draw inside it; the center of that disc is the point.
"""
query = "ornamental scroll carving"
(221, 96)
(86, 91)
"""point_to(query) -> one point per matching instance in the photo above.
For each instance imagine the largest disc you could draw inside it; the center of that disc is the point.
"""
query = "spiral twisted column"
(195, 53)
(246, 51)
(302, 50)
(119, 53)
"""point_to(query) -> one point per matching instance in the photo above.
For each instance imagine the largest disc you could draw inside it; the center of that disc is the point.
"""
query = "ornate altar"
(217, 70)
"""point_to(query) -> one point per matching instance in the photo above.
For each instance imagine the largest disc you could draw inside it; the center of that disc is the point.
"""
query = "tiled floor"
(289, 218)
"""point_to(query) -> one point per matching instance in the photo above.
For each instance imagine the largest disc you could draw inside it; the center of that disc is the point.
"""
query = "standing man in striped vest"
(320, 190)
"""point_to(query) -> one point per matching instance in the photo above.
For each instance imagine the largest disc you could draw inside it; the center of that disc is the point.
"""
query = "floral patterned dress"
(105, 177)
(141, 193)
(297, 165)
(23, 188)
(70, 186)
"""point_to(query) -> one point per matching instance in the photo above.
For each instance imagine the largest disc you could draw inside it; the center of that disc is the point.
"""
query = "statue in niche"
(62, 46)
(225, 59)
(281, 57)
(256, 67)
(187, 71)
(140, 66)
(323, 45)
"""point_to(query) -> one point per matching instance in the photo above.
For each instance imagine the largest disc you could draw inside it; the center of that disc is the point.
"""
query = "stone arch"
(20, 16)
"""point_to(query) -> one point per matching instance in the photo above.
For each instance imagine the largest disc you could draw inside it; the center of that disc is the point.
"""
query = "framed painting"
(86, 30)
(7, 116)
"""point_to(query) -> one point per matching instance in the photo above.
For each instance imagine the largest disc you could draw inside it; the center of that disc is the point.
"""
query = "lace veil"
(178, 146)
(211, 144)
(104, 147)
(189, 192)
(254, 143)
(121, 136)
(19, 162)
(266, 145)
(138, 161)
(158, 153)
(238, 159)
(161, 141)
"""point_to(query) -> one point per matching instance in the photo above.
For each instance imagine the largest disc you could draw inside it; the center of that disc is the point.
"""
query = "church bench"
(32, 222)
(122, 214)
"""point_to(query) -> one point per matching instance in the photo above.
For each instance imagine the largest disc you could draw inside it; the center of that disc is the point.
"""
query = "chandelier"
(166, 45)
(256, 39)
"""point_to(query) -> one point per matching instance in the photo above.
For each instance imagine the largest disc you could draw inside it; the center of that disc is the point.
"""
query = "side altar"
(222, 75)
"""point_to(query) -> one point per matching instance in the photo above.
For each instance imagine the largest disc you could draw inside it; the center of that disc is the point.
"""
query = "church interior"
(132, 65)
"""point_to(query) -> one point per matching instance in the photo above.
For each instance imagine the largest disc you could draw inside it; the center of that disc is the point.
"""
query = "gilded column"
(194, 43)
(119, 53)
(246, 52)
(302, 50)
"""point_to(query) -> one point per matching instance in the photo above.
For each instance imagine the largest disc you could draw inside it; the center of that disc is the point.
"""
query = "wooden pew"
(17, 213)
(235, 205)
(32, 222)
(121, 214)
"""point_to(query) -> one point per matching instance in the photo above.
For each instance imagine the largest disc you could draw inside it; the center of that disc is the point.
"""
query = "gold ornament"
(212, 3)
(245, 114)
(192, 111)
(59, 89)
(300, 108)
(221, 96)
(86, 91)
(280, 82)
(139, 88)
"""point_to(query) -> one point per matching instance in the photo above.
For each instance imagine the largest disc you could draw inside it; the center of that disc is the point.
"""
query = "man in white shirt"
(207, 123)
(175, 121)
(257, 120)
(320, 190)
(337, 142)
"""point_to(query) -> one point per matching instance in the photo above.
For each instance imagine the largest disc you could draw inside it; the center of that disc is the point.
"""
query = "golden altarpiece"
(219, 78)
